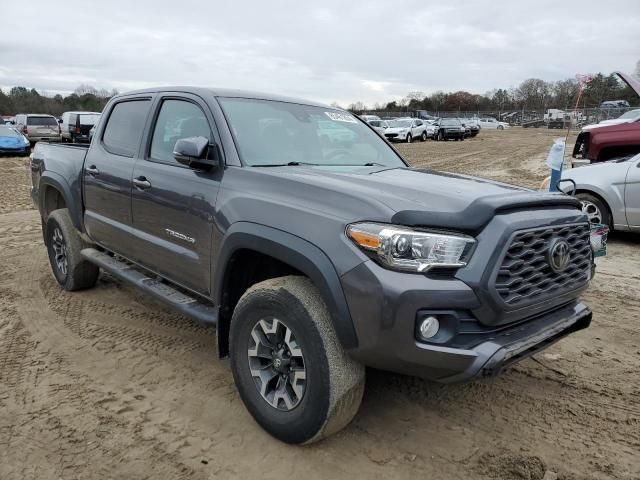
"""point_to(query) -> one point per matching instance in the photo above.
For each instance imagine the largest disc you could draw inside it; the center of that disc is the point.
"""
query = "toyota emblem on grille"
(559, 255)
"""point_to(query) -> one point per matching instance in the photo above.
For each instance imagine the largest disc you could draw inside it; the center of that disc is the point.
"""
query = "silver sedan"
(609, 192)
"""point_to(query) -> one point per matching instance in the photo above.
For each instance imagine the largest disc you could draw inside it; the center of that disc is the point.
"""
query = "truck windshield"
(269, 133)
(631, 114)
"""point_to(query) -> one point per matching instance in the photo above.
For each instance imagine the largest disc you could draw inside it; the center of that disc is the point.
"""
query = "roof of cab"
(225, 92)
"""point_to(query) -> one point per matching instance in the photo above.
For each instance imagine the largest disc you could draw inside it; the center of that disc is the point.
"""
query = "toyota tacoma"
(312, 246)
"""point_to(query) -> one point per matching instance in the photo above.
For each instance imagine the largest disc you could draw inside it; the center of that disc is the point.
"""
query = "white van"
(77, 125)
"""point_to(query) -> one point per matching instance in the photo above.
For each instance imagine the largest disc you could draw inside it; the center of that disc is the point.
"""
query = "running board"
(188, 306)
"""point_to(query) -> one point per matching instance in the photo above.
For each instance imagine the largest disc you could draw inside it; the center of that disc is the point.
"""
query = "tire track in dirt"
(16, 184)
(38, 433)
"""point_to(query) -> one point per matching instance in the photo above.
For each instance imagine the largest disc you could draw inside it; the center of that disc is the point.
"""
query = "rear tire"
(64, 244)
(320, 389)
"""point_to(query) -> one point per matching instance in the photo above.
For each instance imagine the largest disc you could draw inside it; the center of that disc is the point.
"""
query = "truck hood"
(422, 197)
(616, 127)
(606, 123)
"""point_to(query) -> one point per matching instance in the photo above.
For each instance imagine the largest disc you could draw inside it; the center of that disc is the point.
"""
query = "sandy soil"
(107, 384)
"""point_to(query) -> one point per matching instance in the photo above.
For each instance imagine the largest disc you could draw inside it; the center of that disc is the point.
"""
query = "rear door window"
(124, 127)
(41, 121)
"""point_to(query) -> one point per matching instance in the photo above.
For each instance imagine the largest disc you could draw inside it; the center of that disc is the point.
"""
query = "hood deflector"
(479, 213)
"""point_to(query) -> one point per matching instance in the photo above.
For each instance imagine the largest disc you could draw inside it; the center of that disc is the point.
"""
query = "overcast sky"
(342, 51)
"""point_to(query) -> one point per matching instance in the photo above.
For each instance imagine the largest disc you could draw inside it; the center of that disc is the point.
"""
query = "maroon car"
(604, 143)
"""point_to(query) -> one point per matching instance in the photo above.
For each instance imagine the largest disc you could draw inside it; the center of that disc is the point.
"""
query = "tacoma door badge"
(181, 236)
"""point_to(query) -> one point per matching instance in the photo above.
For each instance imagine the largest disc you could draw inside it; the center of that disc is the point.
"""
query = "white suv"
(406, 130)
(492, 123)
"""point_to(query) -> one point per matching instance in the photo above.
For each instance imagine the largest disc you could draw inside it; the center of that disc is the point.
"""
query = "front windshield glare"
(631, 114)
(277, 133)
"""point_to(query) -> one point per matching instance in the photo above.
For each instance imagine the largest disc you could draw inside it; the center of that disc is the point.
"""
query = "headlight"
(402, 248)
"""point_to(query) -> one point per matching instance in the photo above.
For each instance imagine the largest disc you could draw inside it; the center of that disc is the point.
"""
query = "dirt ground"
(107, 384)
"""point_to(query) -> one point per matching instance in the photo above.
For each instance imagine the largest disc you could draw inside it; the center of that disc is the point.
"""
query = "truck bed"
(64, 169)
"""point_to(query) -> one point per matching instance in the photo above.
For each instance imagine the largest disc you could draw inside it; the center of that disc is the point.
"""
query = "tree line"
(24, 100)
(531, 94)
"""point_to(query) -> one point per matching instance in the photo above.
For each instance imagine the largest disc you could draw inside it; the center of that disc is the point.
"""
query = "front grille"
(525, 275)
(391, 135)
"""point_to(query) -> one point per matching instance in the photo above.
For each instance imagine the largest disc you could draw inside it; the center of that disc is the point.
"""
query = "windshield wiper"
(289, 164)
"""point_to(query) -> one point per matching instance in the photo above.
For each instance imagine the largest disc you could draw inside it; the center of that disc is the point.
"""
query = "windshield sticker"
(341, 117)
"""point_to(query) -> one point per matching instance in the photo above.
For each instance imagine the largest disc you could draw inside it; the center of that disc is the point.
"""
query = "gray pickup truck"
(312, 246)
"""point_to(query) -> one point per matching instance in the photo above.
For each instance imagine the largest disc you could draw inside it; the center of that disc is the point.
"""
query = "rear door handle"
(142, 183)
(92, 170)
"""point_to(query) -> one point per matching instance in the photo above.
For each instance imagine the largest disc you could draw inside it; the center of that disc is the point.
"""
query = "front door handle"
(92, 170)
(142, 183)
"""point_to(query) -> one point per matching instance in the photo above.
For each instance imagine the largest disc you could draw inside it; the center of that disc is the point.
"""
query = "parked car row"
(409, 129)
(71, 127)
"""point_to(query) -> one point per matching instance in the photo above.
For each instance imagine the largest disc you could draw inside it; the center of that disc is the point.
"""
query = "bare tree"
(357, 107)
(84, 89)
(418, 96)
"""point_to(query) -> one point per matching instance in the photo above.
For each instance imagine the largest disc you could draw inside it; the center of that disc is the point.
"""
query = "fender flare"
(296, 252)
(59, 183)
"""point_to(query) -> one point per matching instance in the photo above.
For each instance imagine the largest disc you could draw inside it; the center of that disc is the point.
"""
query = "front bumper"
(385, 305)
(397, 136)
(16, 151)
(452, 133)
(44, 138)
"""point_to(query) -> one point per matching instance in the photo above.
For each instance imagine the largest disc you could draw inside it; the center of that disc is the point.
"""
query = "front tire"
(287, 362)
(408, 138)
(64, 244)
(423, 137)
(500, 127)
(595, 209)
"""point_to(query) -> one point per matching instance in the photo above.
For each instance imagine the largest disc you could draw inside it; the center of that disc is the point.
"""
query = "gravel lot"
(107, 384)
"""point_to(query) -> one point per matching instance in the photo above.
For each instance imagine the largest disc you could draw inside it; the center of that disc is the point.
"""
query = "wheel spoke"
(59, 248)
(276, 363)
(592, 212)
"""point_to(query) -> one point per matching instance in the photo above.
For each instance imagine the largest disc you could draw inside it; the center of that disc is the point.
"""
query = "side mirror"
(197, 153)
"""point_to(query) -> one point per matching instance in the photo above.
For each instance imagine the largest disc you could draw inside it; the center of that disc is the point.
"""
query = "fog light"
(429, 327)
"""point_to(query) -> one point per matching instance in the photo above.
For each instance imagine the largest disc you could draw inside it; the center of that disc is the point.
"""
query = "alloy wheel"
(60, 251)
(592, 211)
(277, 364)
